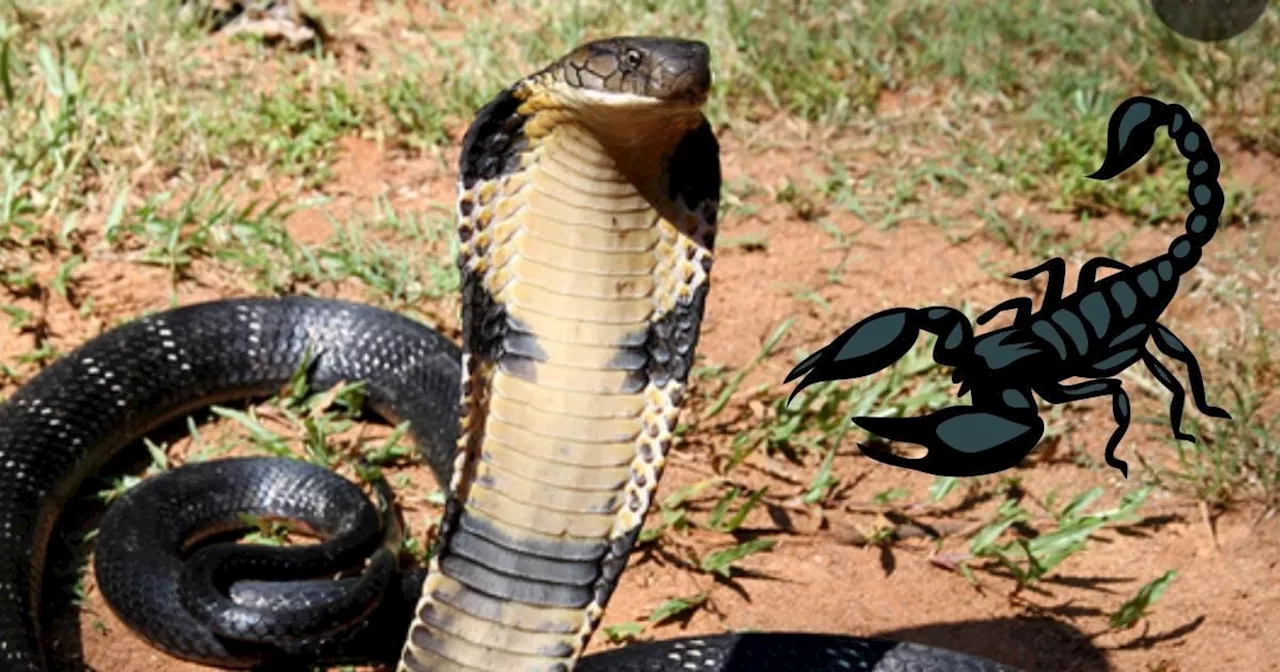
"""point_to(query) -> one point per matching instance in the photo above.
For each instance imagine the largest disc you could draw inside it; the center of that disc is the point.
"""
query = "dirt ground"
(1221, 612)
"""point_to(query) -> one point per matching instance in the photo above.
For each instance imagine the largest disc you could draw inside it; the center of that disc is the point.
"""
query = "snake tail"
(587, 208)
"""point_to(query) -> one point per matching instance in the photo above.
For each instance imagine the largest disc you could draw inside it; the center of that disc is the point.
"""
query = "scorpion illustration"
(1094, 333)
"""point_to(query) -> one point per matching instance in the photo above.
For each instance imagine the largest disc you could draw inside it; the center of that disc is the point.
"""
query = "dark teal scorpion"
(1096, 332)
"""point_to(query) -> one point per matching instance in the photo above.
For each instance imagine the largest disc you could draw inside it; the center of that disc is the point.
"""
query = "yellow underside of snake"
(586, 218)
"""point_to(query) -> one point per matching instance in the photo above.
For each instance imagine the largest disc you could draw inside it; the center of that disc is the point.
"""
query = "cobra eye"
(631, 59)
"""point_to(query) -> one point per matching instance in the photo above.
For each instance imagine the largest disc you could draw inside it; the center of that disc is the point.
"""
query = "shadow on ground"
(1028, 644)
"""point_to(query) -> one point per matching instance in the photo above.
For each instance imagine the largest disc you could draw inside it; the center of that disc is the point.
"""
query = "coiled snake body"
(587, 208)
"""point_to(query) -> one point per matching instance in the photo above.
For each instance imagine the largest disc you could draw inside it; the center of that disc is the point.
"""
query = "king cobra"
(587, 205)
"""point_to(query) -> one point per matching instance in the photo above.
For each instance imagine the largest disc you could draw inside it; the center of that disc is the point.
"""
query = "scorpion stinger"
(1094, 333)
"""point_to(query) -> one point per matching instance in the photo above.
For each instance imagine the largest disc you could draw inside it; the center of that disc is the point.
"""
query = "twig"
(1266, 513)
(774, 471)
(973, 528)
(692, 463)
(853, 507)
(1208, 525)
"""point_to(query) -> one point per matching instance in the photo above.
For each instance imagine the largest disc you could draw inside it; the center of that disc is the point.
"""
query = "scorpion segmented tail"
(1131, 134)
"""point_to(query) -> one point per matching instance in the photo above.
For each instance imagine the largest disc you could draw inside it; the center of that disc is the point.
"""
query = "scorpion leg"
(1172, 347)
(992, 435)
(1056, 393)
(1057, 270)
(1020, 304)
(1089, 272)
(1165, 376)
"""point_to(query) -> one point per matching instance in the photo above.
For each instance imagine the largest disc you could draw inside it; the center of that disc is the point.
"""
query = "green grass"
(128, 137)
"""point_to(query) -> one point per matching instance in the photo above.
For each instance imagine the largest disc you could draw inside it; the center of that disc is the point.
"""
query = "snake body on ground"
(588, 195)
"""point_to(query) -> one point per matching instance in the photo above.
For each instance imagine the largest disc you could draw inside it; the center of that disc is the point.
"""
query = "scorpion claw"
(868, 346)
(962, 440)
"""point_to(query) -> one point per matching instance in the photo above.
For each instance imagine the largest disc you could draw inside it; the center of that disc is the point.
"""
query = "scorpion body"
(1094, 333)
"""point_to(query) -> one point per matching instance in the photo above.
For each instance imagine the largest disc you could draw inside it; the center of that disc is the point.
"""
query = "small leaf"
(299, 385)
(389, 448)
(650, 533)
(822, 481)
(52, 73)
(721, 561)
(1137, 606)
(736, 521)
(1079, 503)
(63, 276)
(6, 82)
(889, 495)
(676, 606)
(623, 631)
(677, 498)
(770, 343)
(116, 214)
(721, 508)
(260, 434)
(942, 486)
(982, 542)
(158, 456)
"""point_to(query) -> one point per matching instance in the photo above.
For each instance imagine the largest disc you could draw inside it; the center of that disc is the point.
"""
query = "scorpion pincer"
(1094, 333)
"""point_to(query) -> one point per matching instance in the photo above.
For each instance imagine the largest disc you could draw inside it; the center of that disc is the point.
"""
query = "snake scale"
(588, 195)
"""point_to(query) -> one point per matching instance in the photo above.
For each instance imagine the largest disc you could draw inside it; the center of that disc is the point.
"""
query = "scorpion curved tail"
(1131, 134)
